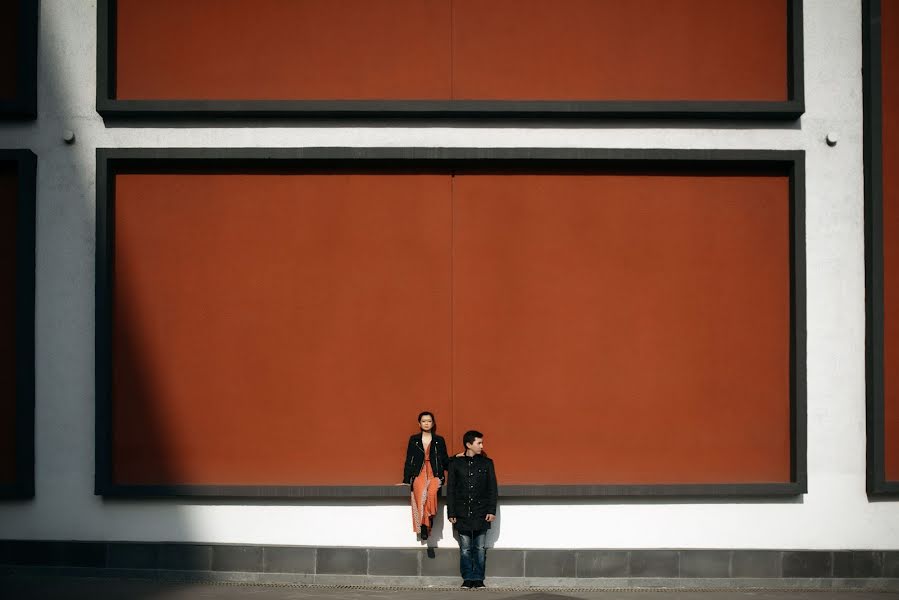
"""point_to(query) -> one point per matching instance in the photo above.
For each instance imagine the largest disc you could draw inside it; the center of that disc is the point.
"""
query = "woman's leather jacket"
(415, 457)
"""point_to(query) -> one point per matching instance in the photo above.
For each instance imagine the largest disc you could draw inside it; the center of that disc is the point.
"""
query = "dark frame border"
(109, 107)
(26, 169)
(24, 105)
(877, 484)
(113, 161)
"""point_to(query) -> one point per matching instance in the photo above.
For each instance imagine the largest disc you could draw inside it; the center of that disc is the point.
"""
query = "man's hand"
(490, 518)
(452, 519)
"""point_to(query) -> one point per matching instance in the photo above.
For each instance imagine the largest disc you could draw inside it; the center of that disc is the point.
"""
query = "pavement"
(85, 588)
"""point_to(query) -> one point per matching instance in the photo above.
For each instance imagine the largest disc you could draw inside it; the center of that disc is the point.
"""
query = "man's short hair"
(470, 436)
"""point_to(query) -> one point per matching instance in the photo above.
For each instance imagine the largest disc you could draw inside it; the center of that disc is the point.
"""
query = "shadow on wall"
(64, 506)
(140, 449)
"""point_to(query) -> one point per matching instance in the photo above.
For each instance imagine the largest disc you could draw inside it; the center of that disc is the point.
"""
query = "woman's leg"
(430, 504)
(424, 501)
(419, 490)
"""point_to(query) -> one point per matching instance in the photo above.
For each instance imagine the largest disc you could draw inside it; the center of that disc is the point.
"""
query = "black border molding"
(26, 168)
(119, 160)
(111, 108)
(877, 483)
(24, 105)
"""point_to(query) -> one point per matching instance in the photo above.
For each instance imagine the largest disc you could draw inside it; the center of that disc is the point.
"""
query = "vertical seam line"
(452, 302)
(452, 51)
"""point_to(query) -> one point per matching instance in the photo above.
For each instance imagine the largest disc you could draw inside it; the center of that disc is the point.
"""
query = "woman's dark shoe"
(467, 583)
(424, 532)
(477, 584)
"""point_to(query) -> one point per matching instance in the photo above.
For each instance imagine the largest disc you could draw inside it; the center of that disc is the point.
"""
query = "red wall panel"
(624, 329)
(603, 328)
(8, 202)
(283, 49)
(451, 49)
(614, 50)
(9, 56)
(277, 329)
(890, 140)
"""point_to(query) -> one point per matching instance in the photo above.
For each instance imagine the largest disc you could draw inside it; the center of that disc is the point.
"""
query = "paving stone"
(867, 563)
(6, 552)
(857, 563)
(602, 563)
(445, 562)
(84, 554)
(890, 560)
(34, 553)
(505, 563)
(704, 563)
(392, 561)
(654, 563)
(756, 563)
(128, 555)
(185, 557)
(237, 558)
(54, 553)
(807, 564)
(288, 559)
(550, 563)
(342, 561)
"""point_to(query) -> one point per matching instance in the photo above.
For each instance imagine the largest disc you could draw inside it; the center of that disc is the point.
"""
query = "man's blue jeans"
(472, 554)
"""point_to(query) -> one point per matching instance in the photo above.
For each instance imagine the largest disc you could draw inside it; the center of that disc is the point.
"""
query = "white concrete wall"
(834, 514)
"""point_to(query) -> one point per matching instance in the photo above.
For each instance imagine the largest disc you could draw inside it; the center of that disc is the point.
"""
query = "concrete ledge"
(413, 567)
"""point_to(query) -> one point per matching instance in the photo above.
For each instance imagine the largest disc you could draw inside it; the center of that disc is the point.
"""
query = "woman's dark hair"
(433, 418)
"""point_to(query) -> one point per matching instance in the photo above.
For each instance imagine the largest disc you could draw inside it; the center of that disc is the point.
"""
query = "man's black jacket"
(471, 491)
(415, 457)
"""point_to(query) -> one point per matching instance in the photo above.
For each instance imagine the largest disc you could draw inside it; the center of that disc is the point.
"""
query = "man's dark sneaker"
(478, 584)
(467, 584)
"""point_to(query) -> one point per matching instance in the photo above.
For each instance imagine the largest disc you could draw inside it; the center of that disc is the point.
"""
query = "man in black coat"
(471, 506)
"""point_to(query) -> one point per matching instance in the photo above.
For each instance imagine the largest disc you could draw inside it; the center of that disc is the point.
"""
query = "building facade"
(648, 254)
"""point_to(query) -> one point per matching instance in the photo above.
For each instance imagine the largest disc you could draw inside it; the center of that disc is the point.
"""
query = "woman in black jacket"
(426, 462)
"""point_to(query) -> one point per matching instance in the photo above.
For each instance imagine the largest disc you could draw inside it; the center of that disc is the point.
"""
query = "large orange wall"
(624, 328)
(451, 49)
(598, 327)
(278, 330)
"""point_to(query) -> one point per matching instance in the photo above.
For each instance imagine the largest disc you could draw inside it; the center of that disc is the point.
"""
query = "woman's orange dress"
(424, 494)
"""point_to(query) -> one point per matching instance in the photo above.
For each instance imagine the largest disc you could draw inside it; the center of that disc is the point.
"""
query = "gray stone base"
(413, 568)
(495, 583)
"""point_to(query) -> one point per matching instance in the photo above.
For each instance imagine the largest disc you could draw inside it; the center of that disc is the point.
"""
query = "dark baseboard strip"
(867, 569)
